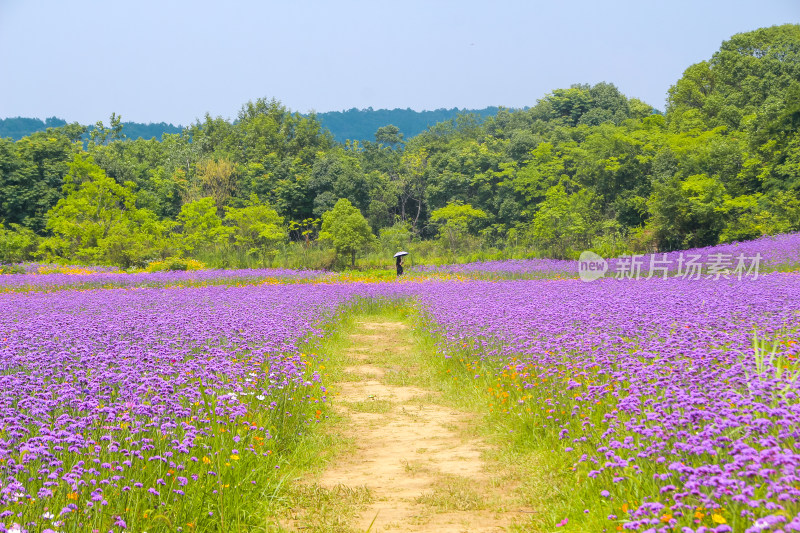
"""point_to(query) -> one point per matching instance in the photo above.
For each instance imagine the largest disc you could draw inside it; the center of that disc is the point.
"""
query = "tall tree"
(456, 222)
(347, 229)
(218, 180)
(98, 221)
(258, 230)
(200, 226)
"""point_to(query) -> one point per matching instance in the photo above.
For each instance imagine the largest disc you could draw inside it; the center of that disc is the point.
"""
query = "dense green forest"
(585, 167)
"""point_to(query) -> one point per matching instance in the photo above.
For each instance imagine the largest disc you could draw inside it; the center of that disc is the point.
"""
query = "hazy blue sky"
(174, 61)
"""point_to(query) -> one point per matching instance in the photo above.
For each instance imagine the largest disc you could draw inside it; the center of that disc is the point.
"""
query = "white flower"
(48, 516)
(261, 397)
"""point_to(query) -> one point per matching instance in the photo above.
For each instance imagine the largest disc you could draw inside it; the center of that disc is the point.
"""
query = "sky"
(175, 61)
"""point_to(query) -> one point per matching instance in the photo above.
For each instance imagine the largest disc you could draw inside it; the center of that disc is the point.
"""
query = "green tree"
(337, 174)
(32, 174)
(544, 169)
(389, 136)
(200, 226)
(304, 230)
(347, 229)
(217, 179)
(411, 184)
(747, 83)
(457, 221)
(98, 222)
(100, 135)
(382, 208)
(17, 244)
(258, 230)
(688, 213)
(565, 223)
(395, 237)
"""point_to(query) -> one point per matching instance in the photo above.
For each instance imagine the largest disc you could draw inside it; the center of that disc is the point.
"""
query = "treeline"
(361, 124)
(353, 124)
(18, 127)
(585, 167)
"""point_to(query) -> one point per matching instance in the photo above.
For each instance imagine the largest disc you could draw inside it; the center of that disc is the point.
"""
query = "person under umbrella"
(399, 257)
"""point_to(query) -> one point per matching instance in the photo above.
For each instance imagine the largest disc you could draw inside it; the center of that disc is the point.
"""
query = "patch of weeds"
(413, 415)
(324, 510)
(421, 518)
(414, 467)
(354, 377)
(453, 493)
(399, 378)
(425, 400)
(370, 406)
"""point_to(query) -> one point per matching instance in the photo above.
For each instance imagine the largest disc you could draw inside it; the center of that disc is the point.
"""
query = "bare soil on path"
(421, 465)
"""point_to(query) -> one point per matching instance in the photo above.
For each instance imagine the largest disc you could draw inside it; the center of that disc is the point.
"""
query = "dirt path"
(422, 470)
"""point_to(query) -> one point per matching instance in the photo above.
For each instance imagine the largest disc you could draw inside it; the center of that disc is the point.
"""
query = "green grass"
(370, 406)
(327, 510)
(453, 493)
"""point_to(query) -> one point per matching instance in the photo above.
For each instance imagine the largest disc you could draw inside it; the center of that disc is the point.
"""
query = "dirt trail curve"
(424, 474)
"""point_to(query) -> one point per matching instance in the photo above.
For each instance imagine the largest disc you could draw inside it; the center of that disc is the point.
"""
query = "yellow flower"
(718, 518)
(235, 457)
(206, 460)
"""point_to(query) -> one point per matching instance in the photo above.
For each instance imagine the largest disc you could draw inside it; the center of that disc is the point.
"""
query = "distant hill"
(20, 127)
(361, 124)
(353, 124)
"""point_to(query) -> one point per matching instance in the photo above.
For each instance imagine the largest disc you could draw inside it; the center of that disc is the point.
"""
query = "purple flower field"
(651, 390)
(38, 282)
(669, 404)
(118, 401)
(775, 252)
